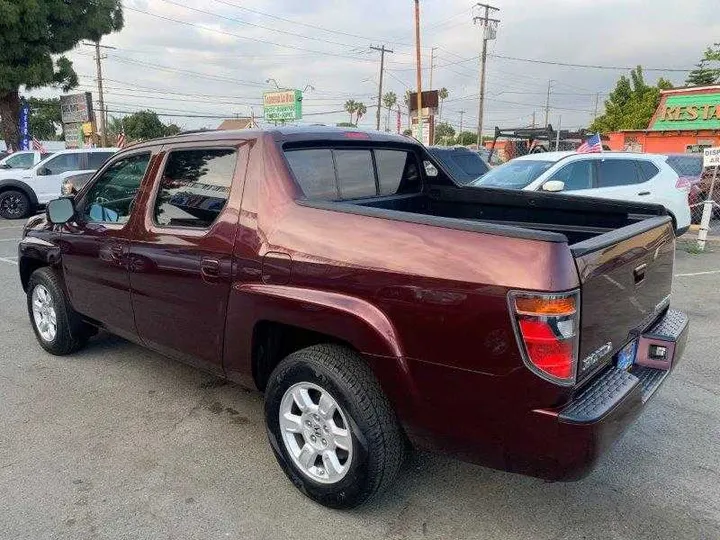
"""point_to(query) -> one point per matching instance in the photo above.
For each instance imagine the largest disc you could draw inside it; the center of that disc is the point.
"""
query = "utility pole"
(597, 100)
(489, 33)
(382, 50)
(418, 59)
(102, 127)
(461, 121)
(547, 104)
(432, 65)
(533, 120)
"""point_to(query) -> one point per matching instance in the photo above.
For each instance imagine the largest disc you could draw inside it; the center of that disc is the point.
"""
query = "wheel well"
(273, 341)
(27, 267)
(674, 221)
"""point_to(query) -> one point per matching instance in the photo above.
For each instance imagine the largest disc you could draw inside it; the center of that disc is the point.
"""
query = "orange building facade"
(686, 121)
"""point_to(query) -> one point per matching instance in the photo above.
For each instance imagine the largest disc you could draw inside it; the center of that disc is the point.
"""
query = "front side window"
(21, 161)
(617, 172)
(96, 159)
(576, 176)
(110, 198)
(63, 163)
(194, 187)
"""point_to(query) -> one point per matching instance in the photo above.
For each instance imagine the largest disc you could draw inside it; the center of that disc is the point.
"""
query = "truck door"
(180, 258)
(94, 246)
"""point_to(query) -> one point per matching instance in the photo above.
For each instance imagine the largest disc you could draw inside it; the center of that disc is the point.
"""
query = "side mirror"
(554, 186)
(60, 211)
(43, 171)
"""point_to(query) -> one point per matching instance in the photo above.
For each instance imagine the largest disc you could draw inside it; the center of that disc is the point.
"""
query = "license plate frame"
(625, 357)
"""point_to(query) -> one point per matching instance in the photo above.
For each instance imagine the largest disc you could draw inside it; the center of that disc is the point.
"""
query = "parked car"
(461, 164)
(493, 159)
(23, 159)
(373, 300)
(23, 191)
(620, 176)
(689, 168)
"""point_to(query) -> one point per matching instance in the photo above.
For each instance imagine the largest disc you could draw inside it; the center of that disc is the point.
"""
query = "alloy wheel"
(44, 314)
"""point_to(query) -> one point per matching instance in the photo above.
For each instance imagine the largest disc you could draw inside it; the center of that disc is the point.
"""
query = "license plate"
(626, 355)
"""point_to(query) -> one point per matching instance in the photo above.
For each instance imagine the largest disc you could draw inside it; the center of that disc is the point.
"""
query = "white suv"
(609, 175)
(23, 191)
(23, 159)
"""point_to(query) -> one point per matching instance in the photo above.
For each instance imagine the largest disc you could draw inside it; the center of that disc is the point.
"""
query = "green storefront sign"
(688, 112)
(282, 106)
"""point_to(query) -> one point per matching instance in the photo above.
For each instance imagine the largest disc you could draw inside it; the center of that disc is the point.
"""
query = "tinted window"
(577, 175)
(685, 165)
(21, 161)
(315, 173)
(515, 174)
(464, 166)
(63, 163)
(397, 172)
(648, 170)
(617, 172)
(194, 187)
(96, 159)
(356, 177)
(110, 197)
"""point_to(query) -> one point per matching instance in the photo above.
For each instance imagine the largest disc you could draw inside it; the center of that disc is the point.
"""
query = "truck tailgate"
(626, 277)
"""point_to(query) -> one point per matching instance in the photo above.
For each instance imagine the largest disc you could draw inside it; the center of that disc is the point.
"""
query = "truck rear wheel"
(14, 204)
(57, 327)
(330, 426)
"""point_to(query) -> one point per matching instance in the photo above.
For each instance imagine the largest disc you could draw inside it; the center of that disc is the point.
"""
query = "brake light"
(357, 135)
(547, 326)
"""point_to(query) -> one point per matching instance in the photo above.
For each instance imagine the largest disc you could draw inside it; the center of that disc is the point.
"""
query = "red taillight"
(547, 330)
(357, 135)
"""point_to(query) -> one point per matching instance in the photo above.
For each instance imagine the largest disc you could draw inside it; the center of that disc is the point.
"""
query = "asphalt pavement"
(118, 442)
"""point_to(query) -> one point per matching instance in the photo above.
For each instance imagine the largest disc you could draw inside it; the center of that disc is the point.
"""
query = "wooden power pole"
(419, 70)
(382, 50)
(102, 123)
(488, 34)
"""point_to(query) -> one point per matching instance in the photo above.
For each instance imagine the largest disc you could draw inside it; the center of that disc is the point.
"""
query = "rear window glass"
(315, 173)
(617, 172)
(686, 165)
(397, 172)
(356, 177)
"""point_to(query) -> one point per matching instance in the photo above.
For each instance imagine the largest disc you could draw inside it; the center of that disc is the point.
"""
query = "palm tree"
(351, 107)
(360, 111)
(443, 95)
(389, 100)
(406, 99)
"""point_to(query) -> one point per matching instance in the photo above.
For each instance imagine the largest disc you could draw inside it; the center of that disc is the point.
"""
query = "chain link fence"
(705, 209)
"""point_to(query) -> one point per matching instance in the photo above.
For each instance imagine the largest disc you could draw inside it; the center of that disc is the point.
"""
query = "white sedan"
(610, 175)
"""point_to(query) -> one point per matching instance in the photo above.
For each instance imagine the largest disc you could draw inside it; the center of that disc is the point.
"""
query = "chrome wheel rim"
(44, 315)
(316, 433)
(11, 205)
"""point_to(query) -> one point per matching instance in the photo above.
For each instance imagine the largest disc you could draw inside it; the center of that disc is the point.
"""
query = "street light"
(268, 81)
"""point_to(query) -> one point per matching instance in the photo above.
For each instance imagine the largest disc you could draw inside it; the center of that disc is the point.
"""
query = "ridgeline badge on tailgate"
(595, 356)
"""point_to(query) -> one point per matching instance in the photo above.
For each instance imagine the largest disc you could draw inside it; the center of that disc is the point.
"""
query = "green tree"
(389, 100)
(466, 138)
(115, 127)
(443, 94)
(144, 125)
(631, 105)
(360, 112)
(444, 133)
(702, 75)
(32, 34)
(45, 120)
(351, 107)
(407, 132)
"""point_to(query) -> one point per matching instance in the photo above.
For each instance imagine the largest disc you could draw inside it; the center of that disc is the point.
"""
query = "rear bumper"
(600, 414)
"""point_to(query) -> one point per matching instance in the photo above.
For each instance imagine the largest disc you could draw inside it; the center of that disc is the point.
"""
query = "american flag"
(121, 140)
(38, 146)
(590, 146)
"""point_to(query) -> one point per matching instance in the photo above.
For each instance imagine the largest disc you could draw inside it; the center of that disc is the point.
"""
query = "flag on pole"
(38, 146)
(591, 145)
(121, 139)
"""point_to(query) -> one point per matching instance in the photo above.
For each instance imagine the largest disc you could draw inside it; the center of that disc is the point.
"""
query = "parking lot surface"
(119, 442)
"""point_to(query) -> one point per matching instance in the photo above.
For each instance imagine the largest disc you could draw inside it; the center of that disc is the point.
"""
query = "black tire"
(71, 332)
(378, 442)
(14, 204)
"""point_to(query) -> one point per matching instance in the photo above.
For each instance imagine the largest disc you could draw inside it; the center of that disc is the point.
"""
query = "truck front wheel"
(330, 426)
(14, 204)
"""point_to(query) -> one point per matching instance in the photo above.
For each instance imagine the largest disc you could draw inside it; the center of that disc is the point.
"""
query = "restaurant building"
(686, 121)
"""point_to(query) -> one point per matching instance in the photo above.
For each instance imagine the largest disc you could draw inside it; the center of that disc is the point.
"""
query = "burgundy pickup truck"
(371, 299)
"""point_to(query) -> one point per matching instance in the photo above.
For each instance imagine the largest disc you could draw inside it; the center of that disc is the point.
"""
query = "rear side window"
(342, 174)
(194, 187)
(617, 172)
(686, 165)
(355, 174)
(63, 163)
(96, 159)
(648, 170)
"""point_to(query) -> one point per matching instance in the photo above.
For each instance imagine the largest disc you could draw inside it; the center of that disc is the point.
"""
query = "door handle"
(639, 274)
(210, 267)
(643, 193)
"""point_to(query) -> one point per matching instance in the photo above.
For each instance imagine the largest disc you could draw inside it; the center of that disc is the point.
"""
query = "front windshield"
(515, 174)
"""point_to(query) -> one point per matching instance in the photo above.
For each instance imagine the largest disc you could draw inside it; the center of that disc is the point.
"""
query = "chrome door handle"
(210, 267)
